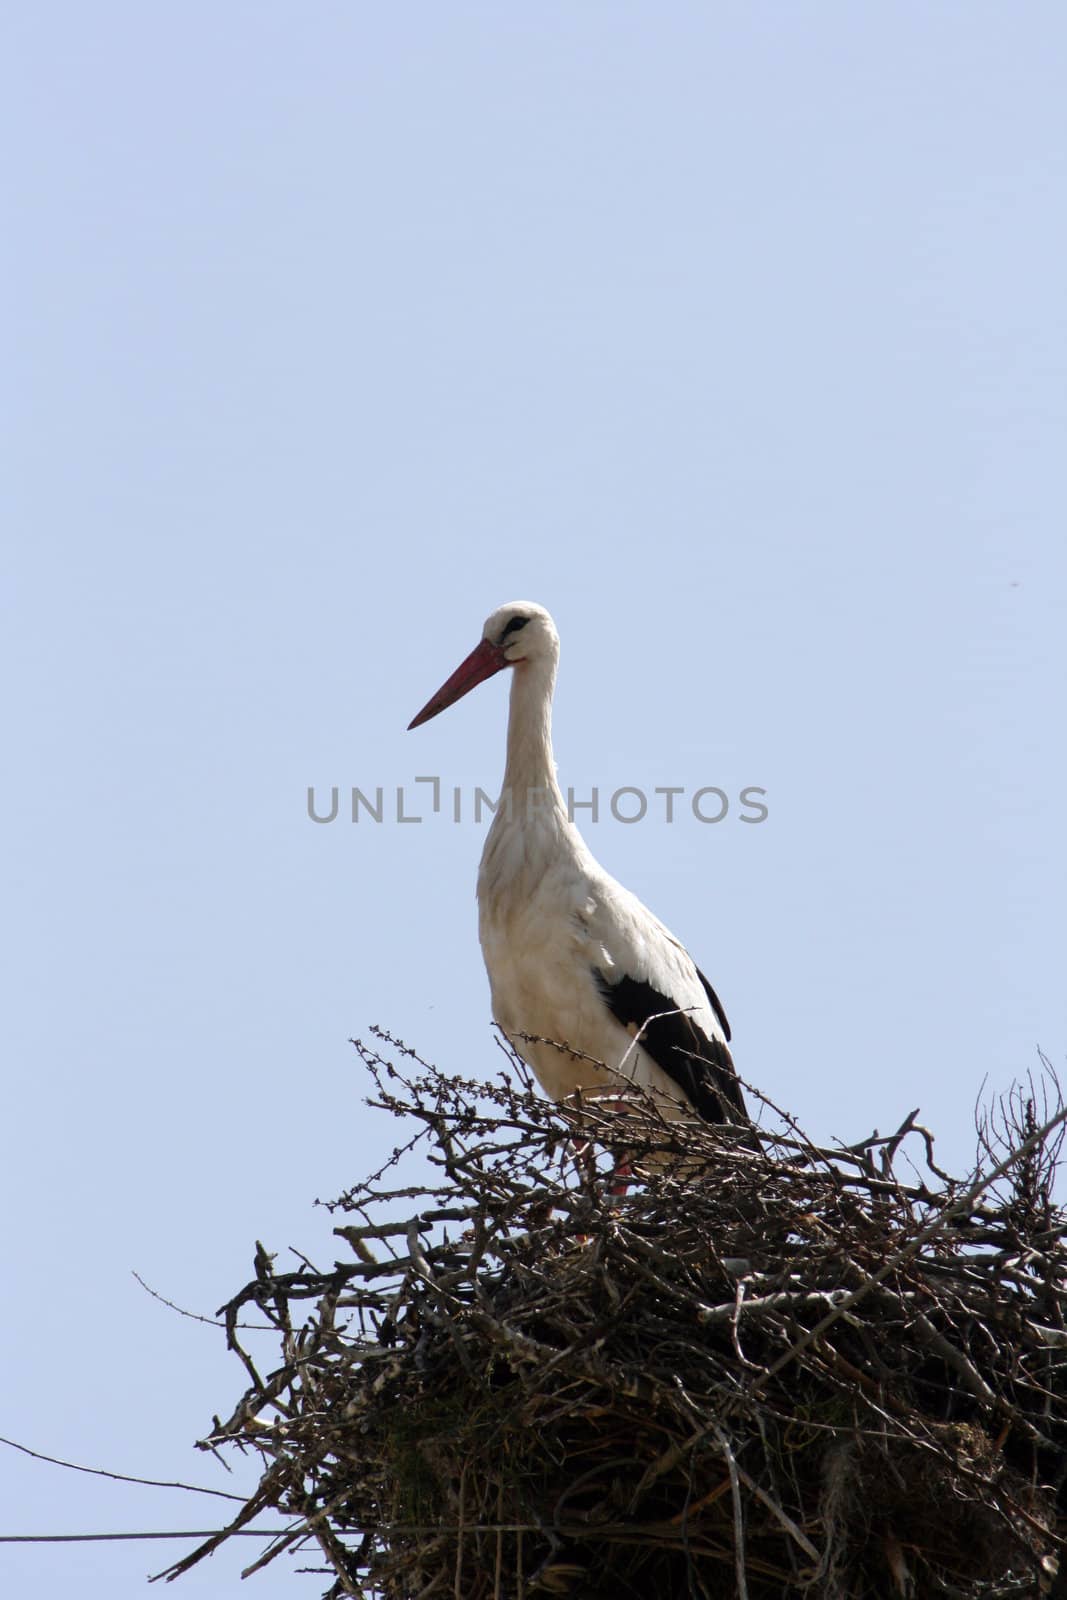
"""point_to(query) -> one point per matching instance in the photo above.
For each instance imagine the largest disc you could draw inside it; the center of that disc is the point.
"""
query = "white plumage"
(574, 958)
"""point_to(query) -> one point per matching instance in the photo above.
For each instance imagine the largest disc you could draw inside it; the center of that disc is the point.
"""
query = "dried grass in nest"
(759, 1373)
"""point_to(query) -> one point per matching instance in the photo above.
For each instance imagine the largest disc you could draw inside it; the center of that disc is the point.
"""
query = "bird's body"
(587, 984)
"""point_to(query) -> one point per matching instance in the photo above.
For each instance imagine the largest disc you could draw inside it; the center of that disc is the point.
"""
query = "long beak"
(480, 664)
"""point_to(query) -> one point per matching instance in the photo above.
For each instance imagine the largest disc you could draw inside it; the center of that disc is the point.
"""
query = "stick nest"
(761, 1372)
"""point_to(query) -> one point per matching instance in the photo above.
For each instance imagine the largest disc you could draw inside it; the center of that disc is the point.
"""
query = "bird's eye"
(513, 627)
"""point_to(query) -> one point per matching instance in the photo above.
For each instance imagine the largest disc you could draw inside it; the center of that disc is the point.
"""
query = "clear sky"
(732, 333)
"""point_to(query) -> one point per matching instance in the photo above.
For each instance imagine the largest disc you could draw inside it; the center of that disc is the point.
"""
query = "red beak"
(482, 662)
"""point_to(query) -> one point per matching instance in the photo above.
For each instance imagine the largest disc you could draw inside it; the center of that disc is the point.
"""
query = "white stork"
(573, 957)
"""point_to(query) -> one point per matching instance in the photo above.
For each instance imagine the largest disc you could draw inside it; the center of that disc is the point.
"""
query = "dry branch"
(760, 1373)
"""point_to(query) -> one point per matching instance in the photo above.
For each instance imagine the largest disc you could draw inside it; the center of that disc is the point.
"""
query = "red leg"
(620, 1178)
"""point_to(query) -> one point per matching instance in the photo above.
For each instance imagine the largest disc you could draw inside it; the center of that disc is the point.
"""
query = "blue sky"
(735, 335)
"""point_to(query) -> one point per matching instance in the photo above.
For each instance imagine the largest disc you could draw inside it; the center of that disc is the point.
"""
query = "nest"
(759, 1372)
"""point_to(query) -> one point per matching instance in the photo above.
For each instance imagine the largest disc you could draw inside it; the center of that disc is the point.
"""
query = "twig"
(119, 1477)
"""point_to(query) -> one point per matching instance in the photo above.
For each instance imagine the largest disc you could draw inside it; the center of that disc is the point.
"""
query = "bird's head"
(516, 634)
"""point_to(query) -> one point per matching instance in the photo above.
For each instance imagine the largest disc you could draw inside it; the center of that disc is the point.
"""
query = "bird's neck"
(530, 772)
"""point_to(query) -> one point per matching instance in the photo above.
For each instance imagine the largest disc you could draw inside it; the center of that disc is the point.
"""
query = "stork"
(586, 983)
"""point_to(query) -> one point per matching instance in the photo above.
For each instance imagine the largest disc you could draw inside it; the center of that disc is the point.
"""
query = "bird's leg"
(623, 1172)
(620, 1178)
(584, 1152)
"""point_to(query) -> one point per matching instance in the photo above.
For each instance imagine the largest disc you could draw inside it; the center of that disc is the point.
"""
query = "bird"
(587, 985)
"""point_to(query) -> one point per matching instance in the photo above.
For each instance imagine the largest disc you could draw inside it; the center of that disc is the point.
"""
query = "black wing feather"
(716, 1003)
(702, 1068)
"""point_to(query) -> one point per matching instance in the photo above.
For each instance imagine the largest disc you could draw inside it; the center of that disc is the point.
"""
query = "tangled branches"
(761, 1372)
